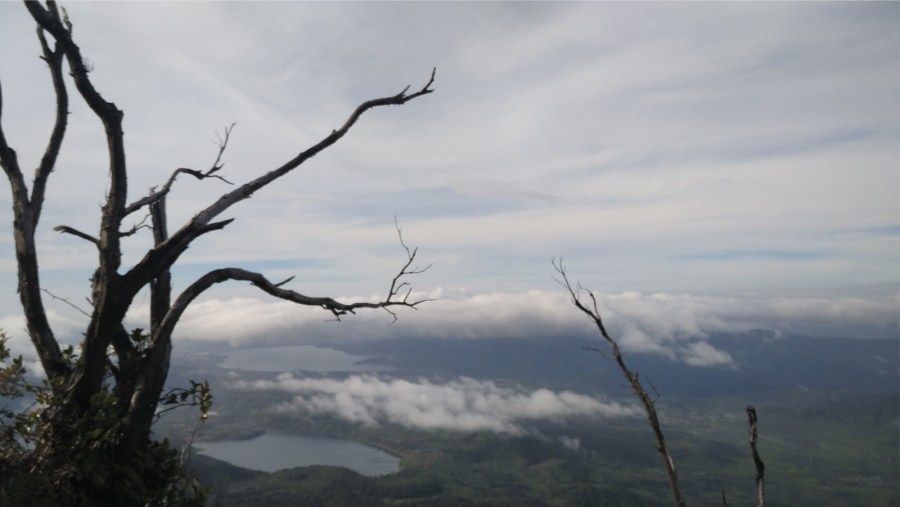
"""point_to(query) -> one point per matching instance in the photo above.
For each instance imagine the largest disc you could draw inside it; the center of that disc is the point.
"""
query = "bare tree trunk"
(649, 407)
(633, 379)
(757, 461)
(145, 389)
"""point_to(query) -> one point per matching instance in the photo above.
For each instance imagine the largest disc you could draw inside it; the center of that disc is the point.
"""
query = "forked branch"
(337, 308)
(49, 20)
(408, 269)
(54, 59)
(166, 253)
(26, 215)
(156, 195)
(136, 227)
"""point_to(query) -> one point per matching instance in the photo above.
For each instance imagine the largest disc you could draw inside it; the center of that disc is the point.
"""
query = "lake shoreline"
(271, 451)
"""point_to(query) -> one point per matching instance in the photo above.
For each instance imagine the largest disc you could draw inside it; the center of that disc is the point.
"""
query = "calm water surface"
(276, 451)
(296, 358)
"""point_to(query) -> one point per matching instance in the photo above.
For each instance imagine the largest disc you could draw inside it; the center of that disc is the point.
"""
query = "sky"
(703, 167)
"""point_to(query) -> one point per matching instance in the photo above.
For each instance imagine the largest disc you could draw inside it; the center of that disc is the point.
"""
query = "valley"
(823, 446)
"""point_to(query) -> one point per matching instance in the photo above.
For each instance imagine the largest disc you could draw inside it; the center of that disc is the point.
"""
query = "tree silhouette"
(102, 398)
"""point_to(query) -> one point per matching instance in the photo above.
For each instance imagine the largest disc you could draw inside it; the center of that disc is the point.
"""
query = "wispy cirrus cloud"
(714, 167)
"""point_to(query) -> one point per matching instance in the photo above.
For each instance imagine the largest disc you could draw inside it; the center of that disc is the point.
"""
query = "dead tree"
(633, 378)
(593, 312)
(131, 367)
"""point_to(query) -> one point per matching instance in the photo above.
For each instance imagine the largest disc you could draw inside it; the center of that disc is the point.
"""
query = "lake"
(277, 451)
(297, 358)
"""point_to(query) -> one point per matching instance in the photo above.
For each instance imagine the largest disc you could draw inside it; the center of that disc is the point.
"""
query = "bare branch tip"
(279, 284)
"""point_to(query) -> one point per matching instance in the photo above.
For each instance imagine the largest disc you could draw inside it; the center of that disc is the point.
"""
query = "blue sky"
(703, 166)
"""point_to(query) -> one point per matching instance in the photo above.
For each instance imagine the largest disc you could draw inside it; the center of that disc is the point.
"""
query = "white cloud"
(571, 443)
(666, 324)
(464, 404)
(676, 326)
(66, 330)
(704, 354)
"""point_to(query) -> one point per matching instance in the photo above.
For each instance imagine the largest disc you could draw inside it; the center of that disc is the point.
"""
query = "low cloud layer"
(460, 405)
(672, 325)
(676, 326)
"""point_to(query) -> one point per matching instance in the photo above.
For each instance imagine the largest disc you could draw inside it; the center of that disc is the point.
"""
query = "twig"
(136, 227)
(75, 232)
(217, 165)
(66, 301)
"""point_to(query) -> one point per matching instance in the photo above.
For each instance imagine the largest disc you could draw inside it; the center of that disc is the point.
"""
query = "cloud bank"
(464, 404)
(667, 324)
(676, 326)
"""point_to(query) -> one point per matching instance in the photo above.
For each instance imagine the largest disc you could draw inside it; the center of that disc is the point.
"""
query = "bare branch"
(27, 211)
(655, 391)
(214, 226)
(406, 270)
(649, 408)
(217, 165)
(275, 289)
(279, 284)
(66, 20)
(757, 461)
(167, 253)
(75, 232)
(223, 142)
(109, 115)
(335, 307)
(54, 59)
(598, 351)
(136, 227)
(66, 301)
(10, 164)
